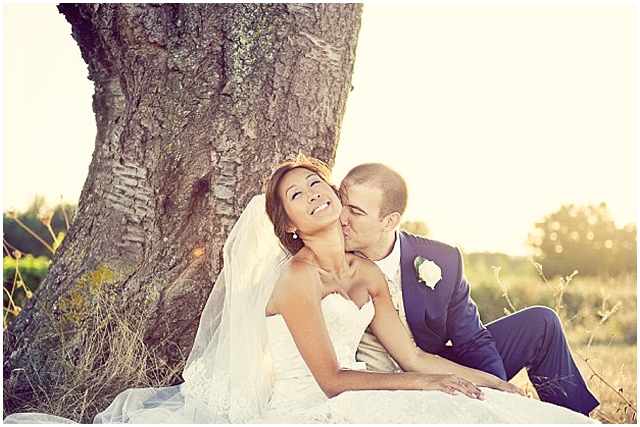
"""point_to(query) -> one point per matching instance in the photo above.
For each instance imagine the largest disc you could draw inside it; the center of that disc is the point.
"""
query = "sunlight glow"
(493, 122)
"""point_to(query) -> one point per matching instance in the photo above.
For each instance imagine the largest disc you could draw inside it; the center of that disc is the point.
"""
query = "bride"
(278, 336)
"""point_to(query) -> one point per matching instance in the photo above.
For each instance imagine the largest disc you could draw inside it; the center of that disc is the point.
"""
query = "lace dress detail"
(211, 390)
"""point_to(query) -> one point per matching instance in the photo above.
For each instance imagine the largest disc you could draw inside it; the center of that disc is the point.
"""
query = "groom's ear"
(391, 221)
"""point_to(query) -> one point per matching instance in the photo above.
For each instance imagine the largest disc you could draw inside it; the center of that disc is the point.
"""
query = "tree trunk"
(195, 104)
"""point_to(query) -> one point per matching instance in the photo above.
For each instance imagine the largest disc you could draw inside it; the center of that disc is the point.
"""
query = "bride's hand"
(451, 384)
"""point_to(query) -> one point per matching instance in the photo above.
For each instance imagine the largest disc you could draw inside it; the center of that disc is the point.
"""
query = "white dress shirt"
(390, 266)
(370, 350)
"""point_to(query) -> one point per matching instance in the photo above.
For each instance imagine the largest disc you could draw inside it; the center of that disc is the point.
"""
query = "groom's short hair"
(393, 186)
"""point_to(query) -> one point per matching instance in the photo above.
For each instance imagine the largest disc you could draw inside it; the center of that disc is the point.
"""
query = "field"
(598, 314)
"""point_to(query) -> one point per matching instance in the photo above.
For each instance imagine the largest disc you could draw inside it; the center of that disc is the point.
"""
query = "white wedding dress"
(245, 367)
(298, 398)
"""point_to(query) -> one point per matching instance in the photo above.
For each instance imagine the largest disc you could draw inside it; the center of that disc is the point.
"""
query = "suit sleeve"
(473, 345)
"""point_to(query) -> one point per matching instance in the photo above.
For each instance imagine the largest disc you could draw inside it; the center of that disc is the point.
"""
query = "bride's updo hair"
(274, 205)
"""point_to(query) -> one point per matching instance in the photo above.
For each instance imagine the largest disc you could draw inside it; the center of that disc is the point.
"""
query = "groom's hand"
(491, 381)
(510, 388)
(452, 384)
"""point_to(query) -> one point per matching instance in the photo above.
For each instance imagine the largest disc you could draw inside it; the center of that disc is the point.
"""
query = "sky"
(495, 114)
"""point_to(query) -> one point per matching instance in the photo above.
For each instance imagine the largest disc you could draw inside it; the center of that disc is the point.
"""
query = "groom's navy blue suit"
(531, 338)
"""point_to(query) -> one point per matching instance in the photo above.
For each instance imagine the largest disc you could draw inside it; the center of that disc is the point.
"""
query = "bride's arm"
(392, 334)
(297, 296)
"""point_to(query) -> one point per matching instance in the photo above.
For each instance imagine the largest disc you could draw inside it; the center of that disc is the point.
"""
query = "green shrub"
(18, 285)
(19, 228)
(582, 302)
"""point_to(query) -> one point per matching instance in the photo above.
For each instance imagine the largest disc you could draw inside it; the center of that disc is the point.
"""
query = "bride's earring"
(295, 236)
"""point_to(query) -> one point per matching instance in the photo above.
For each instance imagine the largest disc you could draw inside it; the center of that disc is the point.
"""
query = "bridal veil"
(229, 367)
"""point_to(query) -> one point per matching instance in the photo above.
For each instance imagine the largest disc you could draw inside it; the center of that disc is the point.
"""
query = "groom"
(434, 303)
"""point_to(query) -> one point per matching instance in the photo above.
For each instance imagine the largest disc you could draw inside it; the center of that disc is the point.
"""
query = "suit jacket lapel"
(411, 296)
(418, 300)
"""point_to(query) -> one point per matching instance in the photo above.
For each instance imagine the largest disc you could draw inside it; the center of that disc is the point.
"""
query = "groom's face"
(361, 223)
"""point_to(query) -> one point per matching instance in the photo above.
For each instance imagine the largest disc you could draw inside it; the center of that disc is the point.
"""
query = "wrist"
(489, 380)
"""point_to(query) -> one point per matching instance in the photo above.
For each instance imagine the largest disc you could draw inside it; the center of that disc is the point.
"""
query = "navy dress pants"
(534, 338)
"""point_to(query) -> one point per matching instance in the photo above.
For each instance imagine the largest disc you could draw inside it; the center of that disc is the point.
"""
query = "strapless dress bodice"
(345, 322)
(295, 388)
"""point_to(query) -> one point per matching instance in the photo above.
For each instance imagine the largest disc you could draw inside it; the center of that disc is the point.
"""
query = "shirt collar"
(389, 264)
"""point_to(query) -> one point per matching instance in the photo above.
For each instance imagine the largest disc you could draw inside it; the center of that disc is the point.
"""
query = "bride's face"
(310, 202)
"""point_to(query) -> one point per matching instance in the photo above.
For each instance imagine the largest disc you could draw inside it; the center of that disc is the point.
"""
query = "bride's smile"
(321, 208)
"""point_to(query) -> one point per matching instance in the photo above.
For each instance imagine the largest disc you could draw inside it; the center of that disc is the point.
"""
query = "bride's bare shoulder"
(300, 263)
(298, 281)
(298, 269)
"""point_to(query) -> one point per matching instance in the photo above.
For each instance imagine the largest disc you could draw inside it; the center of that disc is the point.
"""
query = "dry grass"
(612, 380)
(610, 369)
(101, 352)
(104, 357)
(611, 373)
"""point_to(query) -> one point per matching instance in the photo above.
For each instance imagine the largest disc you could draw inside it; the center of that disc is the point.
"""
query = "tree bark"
(195, 105)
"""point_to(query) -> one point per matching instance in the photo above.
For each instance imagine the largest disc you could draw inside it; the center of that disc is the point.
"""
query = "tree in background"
(18, 228)
(419, 228)
(30, 239)
(584, 238)
(195, 105)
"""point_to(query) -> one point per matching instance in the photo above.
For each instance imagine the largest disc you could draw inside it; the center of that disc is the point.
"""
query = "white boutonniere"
(428, 271)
